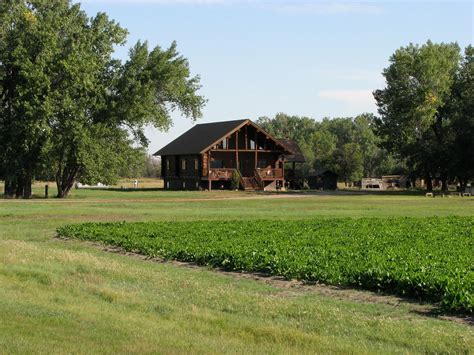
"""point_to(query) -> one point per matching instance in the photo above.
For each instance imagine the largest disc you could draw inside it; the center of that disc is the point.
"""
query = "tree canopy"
(67, 107)
(425, 126)
(348, 146)
(423, 107)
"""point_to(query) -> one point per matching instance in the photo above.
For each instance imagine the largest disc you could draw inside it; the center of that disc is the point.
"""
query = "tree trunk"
(65, 181)
(9, 188)
(444, 183)
(27, 181)
(63, 190)
(22, 185)
(19, 187)
(429, 183)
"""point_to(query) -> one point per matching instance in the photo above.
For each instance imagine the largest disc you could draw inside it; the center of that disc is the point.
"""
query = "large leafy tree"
(24, 103)
(346, 157)
(415, 123)
(349, 160)
(462, 112)
(324, 145)
(67, 106)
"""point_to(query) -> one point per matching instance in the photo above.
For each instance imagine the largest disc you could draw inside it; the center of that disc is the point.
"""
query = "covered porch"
(255, 170)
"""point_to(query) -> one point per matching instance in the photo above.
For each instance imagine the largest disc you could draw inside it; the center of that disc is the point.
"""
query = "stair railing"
(258, 178)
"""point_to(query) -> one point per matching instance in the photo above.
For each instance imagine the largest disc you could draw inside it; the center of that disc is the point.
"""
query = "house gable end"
(259, 129)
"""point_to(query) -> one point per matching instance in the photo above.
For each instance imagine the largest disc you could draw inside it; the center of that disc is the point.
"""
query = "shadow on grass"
(438, 312)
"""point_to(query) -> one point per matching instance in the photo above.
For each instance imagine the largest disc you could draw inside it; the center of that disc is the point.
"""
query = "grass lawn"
(68, 296)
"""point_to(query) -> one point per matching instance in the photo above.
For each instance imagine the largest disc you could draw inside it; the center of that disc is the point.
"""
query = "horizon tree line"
(69, 110)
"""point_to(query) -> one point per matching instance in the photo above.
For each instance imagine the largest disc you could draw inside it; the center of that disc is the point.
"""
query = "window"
(196, 166)
(167, 164)
(224, 143)
(183, 164)
(252, 144)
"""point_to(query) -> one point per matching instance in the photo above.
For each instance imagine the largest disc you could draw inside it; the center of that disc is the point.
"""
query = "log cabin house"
(214, 155)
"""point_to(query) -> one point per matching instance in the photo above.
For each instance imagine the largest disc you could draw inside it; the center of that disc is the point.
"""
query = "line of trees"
(348, 146)
(425, 126)
(68, 109)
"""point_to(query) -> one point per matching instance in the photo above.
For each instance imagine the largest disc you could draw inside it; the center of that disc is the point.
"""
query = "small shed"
(372, 184)
(322, 179)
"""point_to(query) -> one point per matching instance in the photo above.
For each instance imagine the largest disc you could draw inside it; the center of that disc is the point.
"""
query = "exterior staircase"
(250, 184)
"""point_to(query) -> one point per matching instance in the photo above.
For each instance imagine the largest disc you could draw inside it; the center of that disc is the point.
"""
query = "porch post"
(294, 175)
(256, 150)
(209, 172)
(283, 171)
(237, 150)
(246, 141)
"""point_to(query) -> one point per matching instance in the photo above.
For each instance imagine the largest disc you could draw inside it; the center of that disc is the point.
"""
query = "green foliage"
(235, 183)
(429, 258)
(462, 109)
(348, 146)
(299, 129)
(67, 106)
(349, 160)
(146, 166)
(418, 110)
(104, 162)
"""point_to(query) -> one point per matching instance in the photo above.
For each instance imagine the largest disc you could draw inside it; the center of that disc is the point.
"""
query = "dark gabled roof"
(293, 146)
(203, 136)
(199, 138)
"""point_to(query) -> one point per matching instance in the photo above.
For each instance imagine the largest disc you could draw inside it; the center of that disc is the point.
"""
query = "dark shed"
(322, 179)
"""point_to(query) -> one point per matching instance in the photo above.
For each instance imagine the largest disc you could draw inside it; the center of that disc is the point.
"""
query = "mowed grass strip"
(427, 258)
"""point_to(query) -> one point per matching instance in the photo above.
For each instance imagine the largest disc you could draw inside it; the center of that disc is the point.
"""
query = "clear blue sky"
(257, 58)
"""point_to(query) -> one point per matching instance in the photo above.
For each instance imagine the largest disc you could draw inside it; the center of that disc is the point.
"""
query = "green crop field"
(60, 296)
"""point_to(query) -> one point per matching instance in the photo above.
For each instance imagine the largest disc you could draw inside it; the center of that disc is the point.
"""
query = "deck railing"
(221, 174)
(269, 173)
(260, 174)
